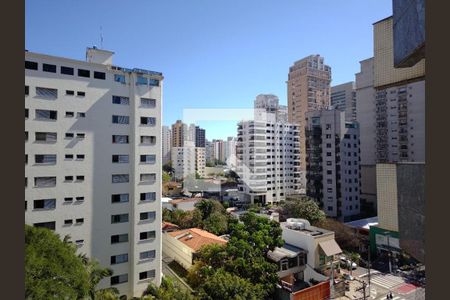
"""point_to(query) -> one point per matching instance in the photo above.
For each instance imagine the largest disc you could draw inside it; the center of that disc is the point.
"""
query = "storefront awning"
(330, 247)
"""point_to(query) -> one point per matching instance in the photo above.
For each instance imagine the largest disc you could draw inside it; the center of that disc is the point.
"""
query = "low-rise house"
(305, 260)
(169, 227)
(182, 245)
(186, 204)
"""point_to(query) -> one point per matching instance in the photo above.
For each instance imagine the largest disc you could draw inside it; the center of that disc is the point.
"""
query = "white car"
(346, 263)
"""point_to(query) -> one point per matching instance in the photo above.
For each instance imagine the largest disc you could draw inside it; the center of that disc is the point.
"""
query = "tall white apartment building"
(332, 163)
(184, 160)
(166, 141)
(200, 161)
(267, 155)
(230, 154)
(93, 161)
(343, 98)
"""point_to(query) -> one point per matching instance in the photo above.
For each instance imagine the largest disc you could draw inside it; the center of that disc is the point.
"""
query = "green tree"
(52, 268)
(305, 208)
(227, 286)
(96, 274)
(216, 223)
(168, 290)
(168, 167)
(209, 206)
(166, 176)
(345, 236)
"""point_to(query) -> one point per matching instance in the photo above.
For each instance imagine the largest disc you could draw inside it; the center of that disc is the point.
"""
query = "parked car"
(346, 263)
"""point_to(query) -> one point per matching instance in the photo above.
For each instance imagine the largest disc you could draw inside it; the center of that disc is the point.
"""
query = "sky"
(214, 55)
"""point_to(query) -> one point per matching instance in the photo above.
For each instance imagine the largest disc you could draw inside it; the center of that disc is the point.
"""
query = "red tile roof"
(195, 238)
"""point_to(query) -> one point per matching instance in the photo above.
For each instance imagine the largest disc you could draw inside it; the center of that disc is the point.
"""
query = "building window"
(84, 73)
(329, 208)
(151, 215)
(146, 102)
(69, 135)
(117, 158)
(68, 222)
(148, 121)
(119, 78)
(46, 93)
(31, 65)
(120, 100)
(66, 70)
(80, 178)
(140, 80)
(148, 177)
(81, 115)
(121, 218)
(120, 119)
(329, 162)
(328, 145)
(69, 114)
(147, 274)
(80, 135)
(147, 254)
(150, 196)
(79, 221)
(148, 159)
(68, 199)
(148, 140)
(26, 113)
(81, 94)
(119, 198)
(68, 178)
(118, 279)
(42, 114)
(79, 198)
(49, 68)
(120, 178)
(48, 225)
(80, 156)
(120, 139)
(27, 90)
(146, 235)
(48, 137)
(328, 153)
(154, 82)
(44, 181)
(99, 75)
(70, 93)
(49, 159)
(328, 126)
(44, 204)
(118, 259)
(119, 238)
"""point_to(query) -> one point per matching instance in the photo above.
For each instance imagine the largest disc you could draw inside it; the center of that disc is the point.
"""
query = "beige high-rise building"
(308, 90)
(178, 133)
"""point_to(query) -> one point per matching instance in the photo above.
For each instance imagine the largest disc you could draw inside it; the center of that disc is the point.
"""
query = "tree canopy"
(304, 207)
(168, 290)
(52, 268)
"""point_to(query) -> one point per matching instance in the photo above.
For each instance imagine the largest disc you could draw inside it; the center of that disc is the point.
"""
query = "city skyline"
(200, 64)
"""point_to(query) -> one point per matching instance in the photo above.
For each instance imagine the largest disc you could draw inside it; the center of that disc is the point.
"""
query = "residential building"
(93, 161)
(332, 157)
(308, 253)
(390, 109)
(308, 89)
(182, 245)
(179, 132)
(267, 156)
(209, 151)
(219, 150)
(200, 140)
(401, 209)
(190, 133)
(185, 204)
(166, 141)
(365, 115)
(231, 152)
(200, 161)
(184, 160)
(343, 98)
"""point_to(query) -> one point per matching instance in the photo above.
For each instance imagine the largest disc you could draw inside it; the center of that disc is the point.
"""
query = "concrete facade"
(333, 163)
(166, 141)
(184, 160)
(343, 98)
(267, 157)
(93, 161)
(308, 88)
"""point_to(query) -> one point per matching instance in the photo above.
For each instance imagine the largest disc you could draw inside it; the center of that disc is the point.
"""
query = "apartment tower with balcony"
(333, 163)
(308, 88)
(93, 161)
(267, 151)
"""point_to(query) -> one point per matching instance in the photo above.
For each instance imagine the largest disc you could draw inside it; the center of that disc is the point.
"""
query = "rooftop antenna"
(101, 38)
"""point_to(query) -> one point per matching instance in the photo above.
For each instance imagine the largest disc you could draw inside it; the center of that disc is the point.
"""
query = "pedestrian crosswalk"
(386, 281)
